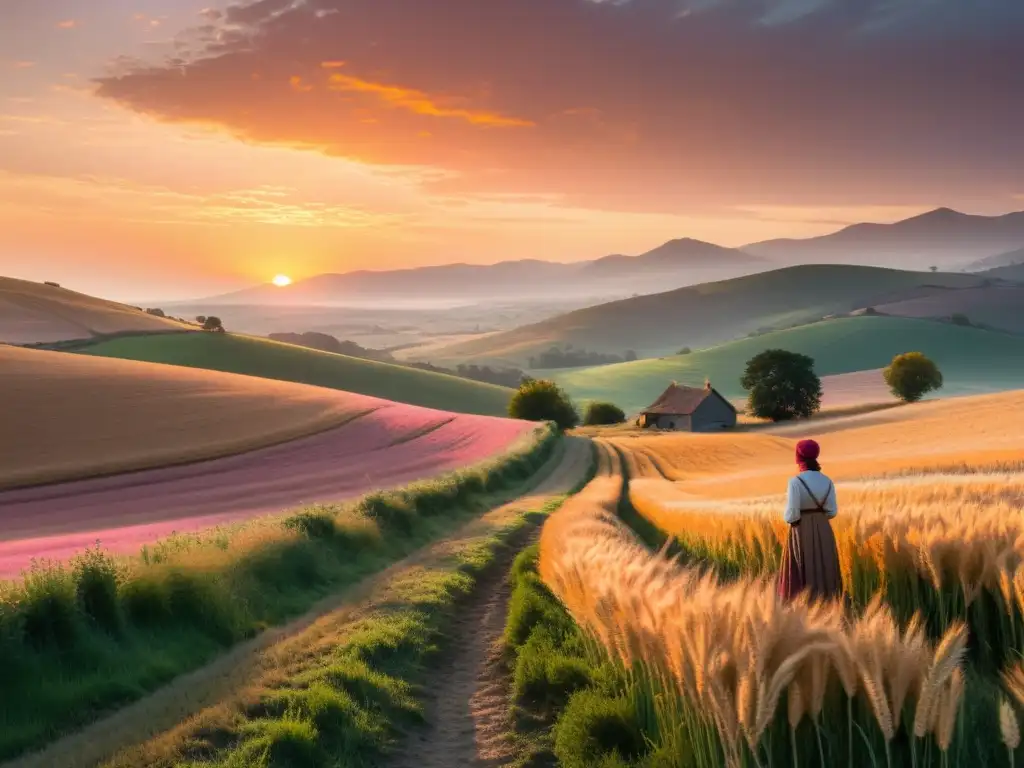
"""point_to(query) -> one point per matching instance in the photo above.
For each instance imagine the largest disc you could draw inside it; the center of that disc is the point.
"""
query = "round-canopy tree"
(214, 324)
(598, 414)
(782, 385)
(911, 376)
(542, 400)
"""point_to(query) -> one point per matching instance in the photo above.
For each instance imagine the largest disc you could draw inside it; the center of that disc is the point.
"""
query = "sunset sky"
(166, 148)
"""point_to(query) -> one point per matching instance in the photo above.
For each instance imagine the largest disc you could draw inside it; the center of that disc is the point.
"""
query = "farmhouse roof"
(683, 400)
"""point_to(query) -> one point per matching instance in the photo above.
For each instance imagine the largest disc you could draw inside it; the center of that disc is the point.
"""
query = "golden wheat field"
(74, 416)
(34, 313)
(917, 666)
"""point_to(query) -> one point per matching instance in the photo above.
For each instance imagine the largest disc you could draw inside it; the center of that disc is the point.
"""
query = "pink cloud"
(622, 105)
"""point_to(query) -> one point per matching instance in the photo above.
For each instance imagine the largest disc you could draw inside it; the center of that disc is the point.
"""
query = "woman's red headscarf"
(807, 452)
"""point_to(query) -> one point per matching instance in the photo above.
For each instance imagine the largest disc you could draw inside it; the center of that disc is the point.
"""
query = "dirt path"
(468, 709)
(193, 692)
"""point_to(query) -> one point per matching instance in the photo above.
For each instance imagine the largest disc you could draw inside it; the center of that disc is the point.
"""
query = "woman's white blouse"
(797, 497)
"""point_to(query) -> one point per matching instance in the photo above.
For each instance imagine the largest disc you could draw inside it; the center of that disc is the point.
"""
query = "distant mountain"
(1010, 259)
(676, 263)
(943, 238)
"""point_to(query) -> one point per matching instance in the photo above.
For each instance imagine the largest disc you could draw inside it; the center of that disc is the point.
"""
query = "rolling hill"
(77, 416)
(680, 262)
(706, 314)
(971, 360)
(999, 307)
(1012, 272)
(268, 359)
(942, 237)
(37, 313)
(1010, 259)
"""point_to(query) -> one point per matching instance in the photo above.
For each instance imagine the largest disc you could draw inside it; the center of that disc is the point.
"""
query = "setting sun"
(281, 281)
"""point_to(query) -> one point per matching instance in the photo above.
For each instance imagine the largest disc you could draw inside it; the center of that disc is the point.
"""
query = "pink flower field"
(389, 447)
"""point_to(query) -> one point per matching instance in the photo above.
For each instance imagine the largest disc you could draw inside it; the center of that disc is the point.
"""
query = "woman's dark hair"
(811, 464)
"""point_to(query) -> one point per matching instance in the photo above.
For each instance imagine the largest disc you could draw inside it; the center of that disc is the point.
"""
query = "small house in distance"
(690, 409)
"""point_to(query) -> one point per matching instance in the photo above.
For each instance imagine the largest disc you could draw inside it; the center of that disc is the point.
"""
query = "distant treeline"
(503, 377)
(568, 357)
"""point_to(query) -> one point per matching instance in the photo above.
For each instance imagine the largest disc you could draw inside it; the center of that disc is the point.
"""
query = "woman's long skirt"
(810, 561)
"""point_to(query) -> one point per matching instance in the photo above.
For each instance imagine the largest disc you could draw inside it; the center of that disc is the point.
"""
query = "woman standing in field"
(811, 559)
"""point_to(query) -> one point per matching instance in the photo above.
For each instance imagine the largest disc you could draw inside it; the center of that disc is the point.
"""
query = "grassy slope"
(273, 360)
(33, 313)
(972, 360)
(707, 314)
(79, 416)
(78, 641)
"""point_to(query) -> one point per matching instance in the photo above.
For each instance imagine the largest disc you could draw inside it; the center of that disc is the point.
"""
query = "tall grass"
(79, 639)
(948, 546)
(724, 674)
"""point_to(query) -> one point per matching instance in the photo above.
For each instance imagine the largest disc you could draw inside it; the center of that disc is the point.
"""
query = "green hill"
(273, 360)
(971, 360)
(706, 314)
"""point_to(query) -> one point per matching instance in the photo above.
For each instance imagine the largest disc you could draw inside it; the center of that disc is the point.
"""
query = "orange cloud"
(332, 64)
(422, 104)
(67, 24)
(298, 85)
(24, 64)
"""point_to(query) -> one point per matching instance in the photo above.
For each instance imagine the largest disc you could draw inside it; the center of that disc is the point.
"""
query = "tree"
(959, 318)
(911, 376)
(598, 414)
(934, 269)
(542, 400)
(156, 312)
(213, 324)
(782, 385)
(201, 319)
(684, 351)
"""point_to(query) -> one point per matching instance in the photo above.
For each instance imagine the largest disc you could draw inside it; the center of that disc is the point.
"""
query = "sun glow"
(281, 281)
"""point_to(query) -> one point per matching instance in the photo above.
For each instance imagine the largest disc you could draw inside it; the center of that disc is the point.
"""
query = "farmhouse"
(691, 409)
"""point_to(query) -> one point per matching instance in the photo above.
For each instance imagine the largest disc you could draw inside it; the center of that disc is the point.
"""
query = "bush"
(51, 284)
(603, 413)
(958, 318)
(541, 400)
(596, 727)
(97, 576)
(156, 312)
(911, 376)
(782, 385)
(213, 324)
(684, 351)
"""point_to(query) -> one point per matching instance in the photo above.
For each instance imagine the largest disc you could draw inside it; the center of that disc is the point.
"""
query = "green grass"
(356, 692)
(268, 359)
(77, 641)
(972, 361)
(707, 314)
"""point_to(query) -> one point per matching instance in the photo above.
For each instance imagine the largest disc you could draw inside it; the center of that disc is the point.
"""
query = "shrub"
(959, 318)
(314, 523)
(911, 376)
(541, 400)
(782, 385)
(870, 311)
(213, 324)
(51, 284)
(603, 413)
(684, 351)
(156, 312)
(48, 608)
(597, 730)
(97, 576)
